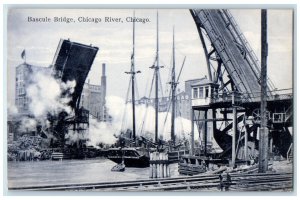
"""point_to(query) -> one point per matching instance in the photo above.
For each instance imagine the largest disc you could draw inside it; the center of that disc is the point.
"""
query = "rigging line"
(147, 105)
(128, 91)
(168, 109)
(180, 118)
(179, 51)
(181, 69)
(145, 95)
(160, 84)
(154, 64)
(126, 100)
(166, 117)
(147, 85)
(162, 128)
(169, 77)
(151, 88)
(136, 89)
(169, 73)
(162, 63)
(124, 119)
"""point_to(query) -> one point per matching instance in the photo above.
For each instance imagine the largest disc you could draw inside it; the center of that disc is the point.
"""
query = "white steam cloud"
(45, 94)
(121, 113)
(101, 132)
(28, 124)
(12, 109)
(106, 132)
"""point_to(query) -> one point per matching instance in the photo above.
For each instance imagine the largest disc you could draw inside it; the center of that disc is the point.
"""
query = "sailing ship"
(175, 150)
(139, 156)
(130, 157)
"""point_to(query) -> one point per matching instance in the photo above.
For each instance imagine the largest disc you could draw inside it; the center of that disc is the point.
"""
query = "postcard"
(151, 100)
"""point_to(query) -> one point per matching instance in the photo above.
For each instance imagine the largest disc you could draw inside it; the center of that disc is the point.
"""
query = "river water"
(38, 173)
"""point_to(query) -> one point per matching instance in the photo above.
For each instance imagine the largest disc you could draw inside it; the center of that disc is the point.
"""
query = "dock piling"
(159, 166)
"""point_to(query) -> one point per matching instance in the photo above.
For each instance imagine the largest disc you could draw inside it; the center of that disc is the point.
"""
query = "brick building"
(24, 73)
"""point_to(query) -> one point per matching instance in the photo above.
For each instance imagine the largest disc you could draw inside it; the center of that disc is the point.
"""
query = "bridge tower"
(234, 100)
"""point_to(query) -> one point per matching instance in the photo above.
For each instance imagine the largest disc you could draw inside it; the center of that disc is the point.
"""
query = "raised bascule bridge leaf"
(73, 61)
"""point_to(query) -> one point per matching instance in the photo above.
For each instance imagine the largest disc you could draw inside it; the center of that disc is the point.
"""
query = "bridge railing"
(283, 94)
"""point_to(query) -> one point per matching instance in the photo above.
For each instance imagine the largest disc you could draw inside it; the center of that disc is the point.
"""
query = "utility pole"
(192, 132)
(234, 129)
(263, 134)
(205, 132)
(246, 140)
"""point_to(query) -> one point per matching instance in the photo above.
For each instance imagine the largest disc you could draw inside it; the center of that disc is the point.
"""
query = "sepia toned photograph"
(150, 100)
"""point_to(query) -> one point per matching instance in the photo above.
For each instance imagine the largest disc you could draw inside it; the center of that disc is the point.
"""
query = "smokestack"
(103, 92)
(103, 69)
(103, 81)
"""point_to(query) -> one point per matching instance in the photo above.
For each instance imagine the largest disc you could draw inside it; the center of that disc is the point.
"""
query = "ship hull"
(131, 156)
(138, 162)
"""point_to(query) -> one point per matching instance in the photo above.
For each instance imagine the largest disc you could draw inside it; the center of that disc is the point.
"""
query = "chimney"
(103, 69)
(103, 81)
(103, 91)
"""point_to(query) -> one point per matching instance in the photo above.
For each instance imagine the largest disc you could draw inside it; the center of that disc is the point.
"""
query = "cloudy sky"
(115, 43)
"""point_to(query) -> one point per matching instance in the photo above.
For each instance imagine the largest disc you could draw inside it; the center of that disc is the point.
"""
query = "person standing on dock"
(221, 182)
(227, 182)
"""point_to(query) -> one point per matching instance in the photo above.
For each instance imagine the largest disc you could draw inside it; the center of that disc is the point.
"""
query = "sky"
(114, 40)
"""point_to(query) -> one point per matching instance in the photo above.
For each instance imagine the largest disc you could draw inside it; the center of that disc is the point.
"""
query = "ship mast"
(173, 93)
(133, 72)
(156, 68)
(132, 77)
(156, 81)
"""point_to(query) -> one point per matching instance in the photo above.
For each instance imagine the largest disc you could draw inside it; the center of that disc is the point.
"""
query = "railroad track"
(240, 182)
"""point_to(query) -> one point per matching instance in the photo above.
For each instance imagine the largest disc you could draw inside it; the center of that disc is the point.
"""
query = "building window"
(195, 93)
(201, 92)
(206, 92)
